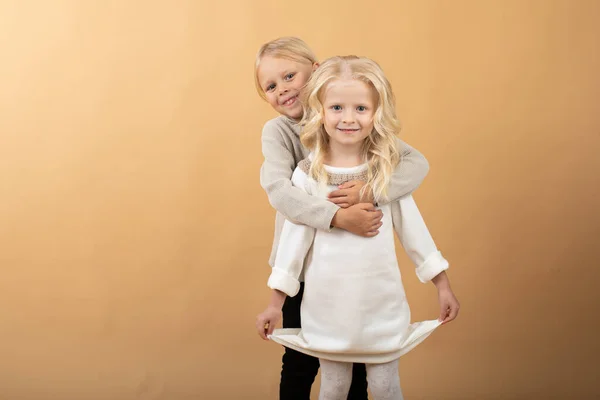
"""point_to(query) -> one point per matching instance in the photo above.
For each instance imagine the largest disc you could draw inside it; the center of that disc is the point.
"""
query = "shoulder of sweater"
(280, 125)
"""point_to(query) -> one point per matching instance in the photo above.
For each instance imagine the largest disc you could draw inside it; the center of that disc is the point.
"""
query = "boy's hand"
(362, 219)
(348, 194)
(449, 305)
(267, 320)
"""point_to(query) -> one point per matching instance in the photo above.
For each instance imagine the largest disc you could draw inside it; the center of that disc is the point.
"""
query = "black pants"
(299, 370)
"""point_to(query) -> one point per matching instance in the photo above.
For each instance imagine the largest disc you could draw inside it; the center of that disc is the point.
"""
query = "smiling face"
(281, 81)
(349, 110)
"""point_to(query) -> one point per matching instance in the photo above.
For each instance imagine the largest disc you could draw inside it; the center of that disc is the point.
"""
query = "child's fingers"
(370, 208)
(377, 226)
(347, 185)
(338, 193)
(339, 200)
(261, 325)
(376, 215)
(263, 331)
(453, 312)
(443, 313)
(270, 330)
(448, 318)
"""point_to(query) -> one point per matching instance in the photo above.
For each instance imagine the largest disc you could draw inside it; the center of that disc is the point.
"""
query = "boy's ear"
(315, 66)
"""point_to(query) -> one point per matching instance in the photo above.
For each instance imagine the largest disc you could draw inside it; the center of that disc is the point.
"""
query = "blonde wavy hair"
(379, 149)
(288, 47)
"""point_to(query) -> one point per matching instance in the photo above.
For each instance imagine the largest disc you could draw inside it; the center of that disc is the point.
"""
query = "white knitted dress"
(354, 307)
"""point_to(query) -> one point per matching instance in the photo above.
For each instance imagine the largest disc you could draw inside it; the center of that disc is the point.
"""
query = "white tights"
(336, 378)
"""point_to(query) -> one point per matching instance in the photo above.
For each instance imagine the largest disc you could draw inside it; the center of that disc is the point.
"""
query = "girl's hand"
(348, 194)
(449, 305)
(267, 320)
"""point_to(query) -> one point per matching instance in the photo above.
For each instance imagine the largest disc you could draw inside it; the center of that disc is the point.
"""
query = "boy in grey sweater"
(282, 68)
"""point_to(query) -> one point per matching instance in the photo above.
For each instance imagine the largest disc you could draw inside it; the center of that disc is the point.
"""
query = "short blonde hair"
(379, 148)
(290, 48)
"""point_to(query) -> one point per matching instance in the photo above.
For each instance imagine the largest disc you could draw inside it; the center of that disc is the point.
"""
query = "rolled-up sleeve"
(416, 239)
(294, 244)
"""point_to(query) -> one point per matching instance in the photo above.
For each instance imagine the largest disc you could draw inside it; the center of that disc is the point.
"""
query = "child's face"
(281, 80)
(349, 110)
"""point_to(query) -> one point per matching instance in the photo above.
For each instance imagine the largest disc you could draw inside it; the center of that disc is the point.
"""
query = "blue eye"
(270, 87)
(361, 108)
(289, 76)
(336, 108)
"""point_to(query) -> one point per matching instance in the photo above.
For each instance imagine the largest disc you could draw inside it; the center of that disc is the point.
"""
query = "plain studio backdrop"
(134, 234)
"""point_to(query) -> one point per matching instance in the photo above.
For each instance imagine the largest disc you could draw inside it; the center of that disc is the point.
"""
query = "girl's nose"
(348, 116)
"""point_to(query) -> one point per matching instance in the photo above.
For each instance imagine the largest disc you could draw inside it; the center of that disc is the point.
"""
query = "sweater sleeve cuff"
(328, 227)
(280, 280)
(433, 265)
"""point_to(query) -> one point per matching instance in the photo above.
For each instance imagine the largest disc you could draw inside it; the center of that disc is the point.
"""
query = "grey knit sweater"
(283, 151)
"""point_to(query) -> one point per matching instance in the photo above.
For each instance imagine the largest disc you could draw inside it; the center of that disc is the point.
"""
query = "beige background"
(134, 235)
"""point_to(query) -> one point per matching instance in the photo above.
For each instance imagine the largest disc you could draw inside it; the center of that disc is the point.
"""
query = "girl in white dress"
(354, 307)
